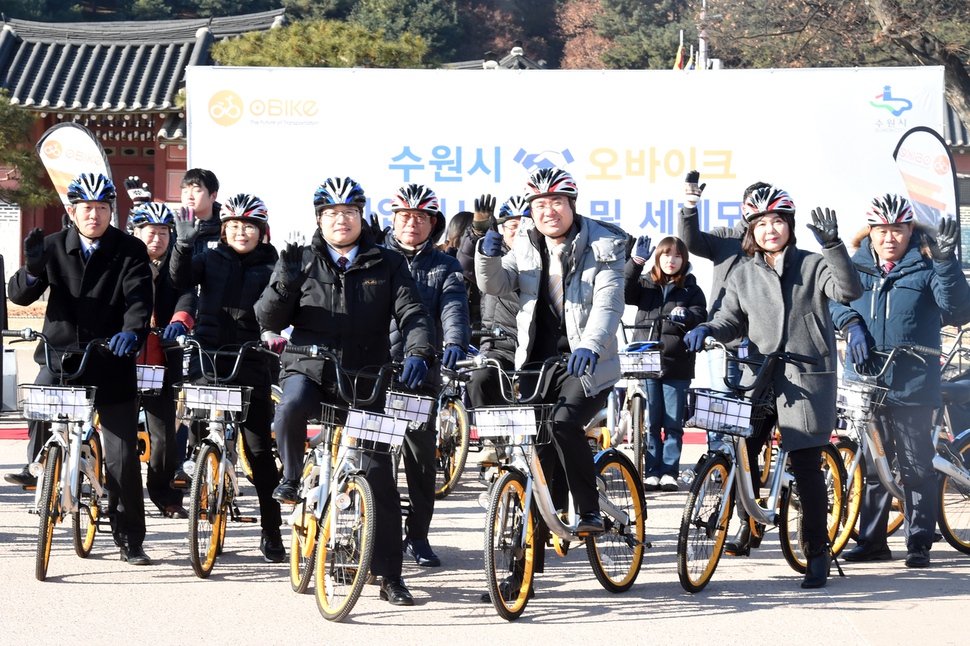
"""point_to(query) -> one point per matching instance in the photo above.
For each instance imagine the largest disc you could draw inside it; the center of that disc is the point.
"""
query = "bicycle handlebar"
(348, 391)
(28, 334)
(238, 352)
(765, 365)
(912, 349)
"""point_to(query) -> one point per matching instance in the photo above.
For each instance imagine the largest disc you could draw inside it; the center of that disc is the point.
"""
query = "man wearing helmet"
(912, 283)
(100, 287)
(341, 292)
(416, 224)
(153, 223)
(568, 274)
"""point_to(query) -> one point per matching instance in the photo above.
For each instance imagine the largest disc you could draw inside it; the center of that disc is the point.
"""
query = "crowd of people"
(542, 281)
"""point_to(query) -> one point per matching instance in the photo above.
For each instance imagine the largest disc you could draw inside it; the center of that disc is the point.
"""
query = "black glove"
(291, 261)
(946, 240)
(825, 227)
(137, 190)
(484, 213)
(379, 234)
(185, 226)
(692, 190)
(36, 254)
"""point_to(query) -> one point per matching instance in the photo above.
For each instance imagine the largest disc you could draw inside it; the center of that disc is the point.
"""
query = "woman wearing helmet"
(230, 278)
(781, 297)
(154, 224)
(911, 282)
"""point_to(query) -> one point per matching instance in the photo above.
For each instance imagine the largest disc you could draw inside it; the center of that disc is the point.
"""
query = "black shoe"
(24, 478)
(135, 556)
(181, 480)
(174, 511)
(817, 568)
(287, 492)
(509, 589)
(868, 552)
(395, 592)
(271, 545)
(422, 553)
(743, 542)
(590, 523)
(918, 557)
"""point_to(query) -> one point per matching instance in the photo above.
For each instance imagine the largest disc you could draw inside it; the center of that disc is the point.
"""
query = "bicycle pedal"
(246, 519)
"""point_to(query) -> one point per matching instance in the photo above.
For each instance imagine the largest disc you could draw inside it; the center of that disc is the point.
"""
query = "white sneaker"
(668, 483)
(652, 483)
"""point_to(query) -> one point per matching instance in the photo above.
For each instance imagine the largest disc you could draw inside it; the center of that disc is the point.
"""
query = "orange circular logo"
(941, 165)
(52, 149)
(225, 107)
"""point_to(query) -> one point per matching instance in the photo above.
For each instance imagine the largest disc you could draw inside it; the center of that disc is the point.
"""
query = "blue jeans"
(667, 398)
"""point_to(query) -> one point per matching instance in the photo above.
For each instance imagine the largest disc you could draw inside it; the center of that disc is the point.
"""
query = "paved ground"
(246, 601)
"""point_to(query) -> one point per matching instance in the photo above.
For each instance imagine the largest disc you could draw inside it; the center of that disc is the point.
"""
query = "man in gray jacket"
(568, 273)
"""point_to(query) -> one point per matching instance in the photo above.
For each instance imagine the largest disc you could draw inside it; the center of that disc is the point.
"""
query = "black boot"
(743, 541)
(819, 560)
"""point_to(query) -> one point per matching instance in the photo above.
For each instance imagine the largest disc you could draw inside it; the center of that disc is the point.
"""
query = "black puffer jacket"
(349, 312)
(229, 284)
(652, 303)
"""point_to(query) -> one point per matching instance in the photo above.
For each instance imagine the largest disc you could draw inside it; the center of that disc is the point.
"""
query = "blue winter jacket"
(906, 306)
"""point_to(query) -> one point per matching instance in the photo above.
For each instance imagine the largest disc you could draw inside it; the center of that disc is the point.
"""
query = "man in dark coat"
(340, 292)
(417, 223)
(100, 288)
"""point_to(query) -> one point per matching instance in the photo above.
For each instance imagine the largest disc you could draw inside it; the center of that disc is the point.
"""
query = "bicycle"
(521, 496)
(333, 526)
(215, 484)
(860, 397)
(713, 490)
(70, 468)
(454, 433)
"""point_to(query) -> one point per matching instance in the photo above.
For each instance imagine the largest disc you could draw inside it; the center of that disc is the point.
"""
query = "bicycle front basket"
(509, 425)
(859, 399)
(416, 409)
(211, 403)
(721, 413)
(641, 360)
(57, 403)
(150, 379)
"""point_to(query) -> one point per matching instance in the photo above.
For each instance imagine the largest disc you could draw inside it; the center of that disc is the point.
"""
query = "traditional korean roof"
(111, 66)
(954, 131)
(515, 60)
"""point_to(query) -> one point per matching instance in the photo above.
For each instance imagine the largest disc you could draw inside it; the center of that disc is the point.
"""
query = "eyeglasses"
(333, 214)
(417, 218)
(554, 203)
(236, 227)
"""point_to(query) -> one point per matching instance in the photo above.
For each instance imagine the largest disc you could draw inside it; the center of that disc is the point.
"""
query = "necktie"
(86, 253)
(343, 262)
(888, 267)
(555, 278)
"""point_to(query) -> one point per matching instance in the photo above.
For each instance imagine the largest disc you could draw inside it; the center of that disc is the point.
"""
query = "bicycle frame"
(781, 479)
(70, 437)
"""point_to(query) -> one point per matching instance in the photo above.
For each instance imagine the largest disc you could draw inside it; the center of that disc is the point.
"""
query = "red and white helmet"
(415, 197)
(890, 209)
(550, 181)
(768, 199)
(245, 207)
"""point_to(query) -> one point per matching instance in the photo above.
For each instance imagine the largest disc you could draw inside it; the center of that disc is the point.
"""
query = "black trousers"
(122, 468)
(420, 451)
(164, 459)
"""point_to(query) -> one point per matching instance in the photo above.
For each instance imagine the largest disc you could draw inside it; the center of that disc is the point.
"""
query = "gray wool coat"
(790, 312)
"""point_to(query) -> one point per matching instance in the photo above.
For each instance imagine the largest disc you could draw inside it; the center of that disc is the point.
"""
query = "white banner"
(628, 137)
(69, 149)
(926, 168)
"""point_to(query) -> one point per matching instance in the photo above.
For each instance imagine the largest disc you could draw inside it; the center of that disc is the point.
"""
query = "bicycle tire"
(454, 436)
(638, 407)
(303, 540)
(616, 555)
(954, 518)
(852, 500)
(206, 523)
(84, 519)
(49, 511)
(790, 510)
(768, 457)
(345, 546)
(704, 524)
(509, 568)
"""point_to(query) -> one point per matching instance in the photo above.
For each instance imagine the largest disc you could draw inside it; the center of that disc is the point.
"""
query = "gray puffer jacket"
(593, 293)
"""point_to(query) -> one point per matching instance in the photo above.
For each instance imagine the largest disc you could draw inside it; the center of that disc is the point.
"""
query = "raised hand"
(946, 240)
(137, 190)
(692, 190)
(186, 228)
(291, 260)
(643, 249)
(36, 254)
(825, 227)
(492, 244)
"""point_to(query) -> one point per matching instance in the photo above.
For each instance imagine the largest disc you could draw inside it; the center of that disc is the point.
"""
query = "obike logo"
(52, 149)
(939, 163)
(226, 107)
